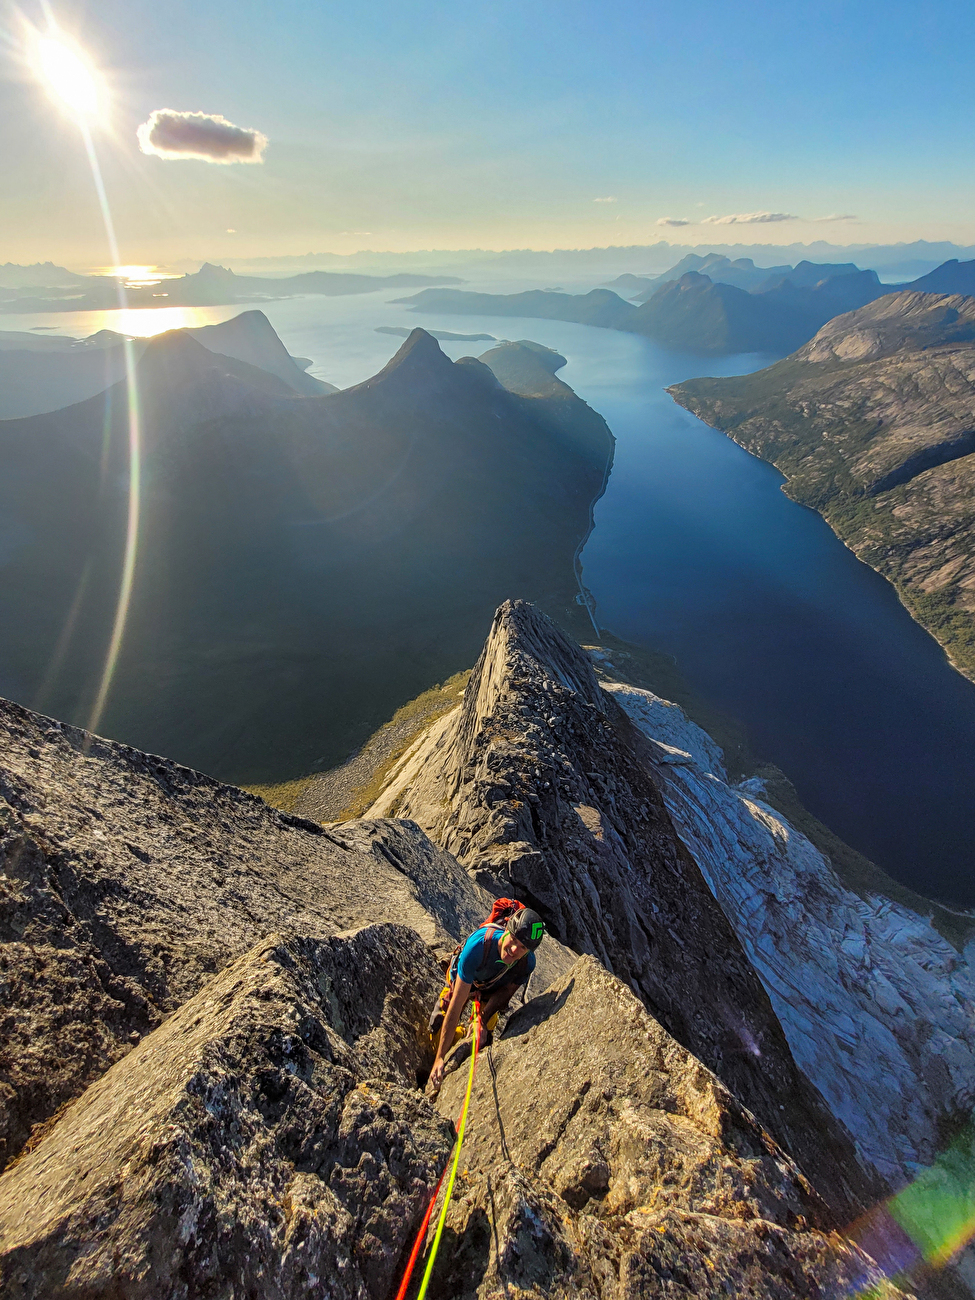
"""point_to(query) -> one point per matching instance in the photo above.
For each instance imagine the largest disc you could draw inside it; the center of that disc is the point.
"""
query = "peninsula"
(873, 425)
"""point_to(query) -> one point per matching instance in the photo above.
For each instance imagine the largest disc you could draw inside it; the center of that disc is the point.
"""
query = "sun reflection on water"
(137, 322)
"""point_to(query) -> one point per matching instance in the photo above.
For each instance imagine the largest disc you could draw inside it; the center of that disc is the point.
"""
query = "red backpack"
(503, 909)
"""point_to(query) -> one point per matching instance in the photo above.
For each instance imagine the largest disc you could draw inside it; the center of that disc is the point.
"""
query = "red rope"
(420, 1236)
(415, 1252)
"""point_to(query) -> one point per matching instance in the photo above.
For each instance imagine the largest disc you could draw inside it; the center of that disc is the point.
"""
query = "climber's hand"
(436, 1075)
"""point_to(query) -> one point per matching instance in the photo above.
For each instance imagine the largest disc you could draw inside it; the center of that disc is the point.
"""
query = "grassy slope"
(348, 790)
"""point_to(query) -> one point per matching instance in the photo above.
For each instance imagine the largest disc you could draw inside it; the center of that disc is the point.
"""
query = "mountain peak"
(419, 354)
(210, 271)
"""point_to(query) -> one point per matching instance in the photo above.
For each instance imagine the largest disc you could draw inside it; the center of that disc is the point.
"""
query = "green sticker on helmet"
(538, 929)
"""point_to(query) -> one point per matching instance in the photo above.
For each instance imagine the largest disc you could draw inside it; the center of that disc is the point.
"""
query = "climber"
(495, 962)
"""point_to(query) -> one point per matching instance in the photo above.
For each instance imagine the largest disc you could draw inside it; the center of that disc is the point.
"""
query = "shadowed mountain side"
(873, 424)
(305, 565)
(528, 369)
(599, 307)
(541, 786)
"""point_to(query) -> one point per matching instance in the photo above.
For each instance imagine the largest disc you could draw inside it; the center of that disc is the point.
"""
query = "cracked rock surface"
(603, 1160)
(267, 1140)
(127, 881)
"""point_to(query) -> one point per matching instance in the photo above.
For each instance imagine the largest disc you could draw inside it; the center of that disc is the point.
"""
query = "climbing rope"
(461, 1125)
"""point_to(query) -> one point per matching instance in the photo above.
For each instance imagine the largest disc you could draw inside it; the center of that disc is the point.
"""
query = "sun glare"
(69, 77)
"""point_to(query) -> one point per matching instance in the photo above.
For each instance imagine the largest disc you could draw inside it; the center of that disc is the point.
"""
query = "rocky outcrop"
(268, 1139)
(873, 425)
(127, 881)
(875, 1003)
(540, 785)
(603, 1160)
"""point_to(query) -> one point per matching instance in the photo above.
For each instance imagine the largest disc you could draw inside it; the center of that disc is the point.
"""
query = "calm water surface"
(696, 551)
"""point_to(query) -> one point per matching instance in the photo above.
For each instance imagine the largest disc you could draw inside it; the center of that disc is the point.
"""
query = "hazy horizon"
(553, 127)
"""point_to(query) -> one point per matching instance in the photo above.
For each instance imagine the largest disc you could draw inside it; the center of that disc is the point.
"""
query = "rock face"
(873, 424)
(267, 1140)
(127, 881)
(874, 1001)
(356, 545)
(603, 1160)
(541, 786)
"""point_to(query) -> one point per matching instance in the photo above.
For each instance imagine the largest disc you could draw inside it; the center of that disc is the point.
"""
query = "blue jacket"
(479, 961)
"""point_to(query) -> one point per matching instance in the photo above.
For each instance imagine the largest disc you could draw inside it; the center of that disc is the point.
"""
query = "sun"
(69, 76)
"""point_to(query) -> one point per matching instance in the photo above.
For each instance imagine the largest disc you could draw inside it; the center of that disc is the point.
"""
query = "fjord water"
(696, 551)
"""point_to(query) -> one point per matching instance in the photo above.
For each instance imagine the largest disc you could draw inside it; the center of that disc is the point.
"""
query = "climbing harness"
(459, 1142)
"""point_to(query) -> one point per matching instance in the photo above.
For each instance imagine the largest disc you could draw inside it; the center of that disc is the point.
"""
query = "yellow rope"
(453, 1172)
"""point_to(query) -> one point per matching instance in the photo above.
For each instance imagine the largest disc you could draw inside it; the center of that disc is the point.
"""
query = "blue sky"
(456, 126)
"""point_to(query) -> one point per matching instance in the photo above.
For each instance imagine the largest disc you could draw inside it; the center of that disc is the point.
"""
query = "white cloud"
(838, 216)
(673, 221)
(610, 198)
(749, 218)
(207, 137)
(231, 230)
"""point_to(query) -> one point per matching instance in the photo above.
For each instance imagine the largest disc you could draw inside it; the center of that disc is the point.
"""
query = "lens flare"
(927, 1224)
(75, 84)
(69, 77)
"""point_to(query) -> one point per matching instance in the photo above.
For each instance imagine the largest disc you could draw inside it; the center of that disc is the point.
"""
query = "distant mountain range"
(305, 564)
(211, 286)
(873, 425)
(40, 373)
(691, 312)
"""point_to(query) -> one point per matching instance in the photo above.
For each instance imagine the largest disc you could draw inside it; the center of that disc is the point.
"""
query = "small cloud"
(610, 198)
(838, 216)
(204, 136)
(353, 232)
(749, 218)
(673, 221)
(231, 231)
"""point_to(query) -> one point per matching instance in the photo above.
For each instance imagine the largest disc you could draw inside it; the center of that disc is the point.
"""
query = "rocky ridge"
(129, 881)
(268, 1139)
(614, 1165)
(541, 786)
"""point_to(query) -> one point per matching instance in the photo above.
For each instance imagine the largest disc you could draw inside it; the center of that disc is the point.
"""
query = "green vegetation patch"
(347, 791)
